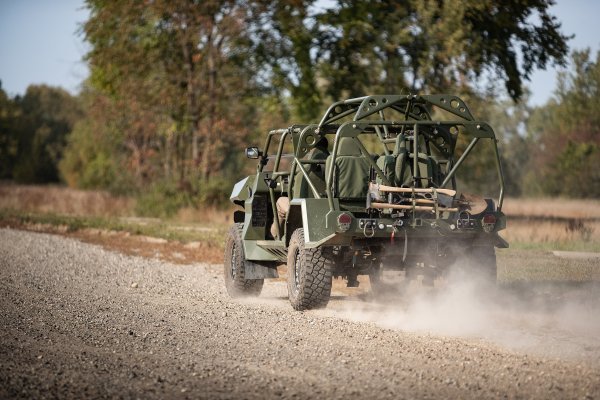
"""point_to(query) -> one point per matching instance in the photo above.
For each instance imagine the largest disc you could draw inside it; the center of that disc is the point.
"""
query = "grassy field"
(553, 224)
(97, 216)
(539, 225)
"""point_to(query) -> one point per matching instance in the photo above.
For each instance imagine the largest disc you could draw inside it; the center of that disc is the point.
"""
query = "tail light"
(488, 222)
(344, 221)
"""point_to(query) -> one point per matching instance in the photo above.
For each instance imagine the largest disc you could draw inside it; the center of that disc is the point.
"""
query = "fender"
(308, 214)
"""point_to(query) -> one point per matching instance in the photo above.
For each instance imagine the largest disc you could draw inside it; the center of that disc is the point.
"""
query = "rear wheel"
(481, 262)
(235, 267)
(485, 257)
(378, 287)
(387, 284)
(309, 274)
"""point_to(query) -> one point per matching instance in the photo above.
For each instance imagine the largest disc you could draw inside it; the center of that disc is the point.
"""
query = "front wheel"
(235, 267)
(309, 274)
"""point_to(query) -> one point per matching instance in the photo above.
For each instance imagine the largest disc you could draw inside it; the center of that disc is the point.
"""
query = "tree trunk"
(212, 109)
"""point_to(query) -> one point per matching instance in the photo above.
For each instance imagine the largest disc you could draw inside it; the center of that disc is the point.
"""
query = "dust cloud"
(547, 319)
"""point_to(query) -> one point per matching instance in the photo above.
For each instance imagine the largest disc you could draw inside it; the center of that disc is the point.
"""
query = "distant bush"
(216, 192)
(163, 200)
(92, 158)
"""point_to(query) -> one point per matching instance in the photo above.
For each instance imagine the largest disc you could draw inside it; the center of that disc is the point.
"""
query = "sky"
(39, 43)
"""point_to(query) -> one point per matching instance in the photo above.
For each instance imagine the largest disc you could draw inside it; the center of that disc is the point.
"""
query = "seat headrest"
(348, 147)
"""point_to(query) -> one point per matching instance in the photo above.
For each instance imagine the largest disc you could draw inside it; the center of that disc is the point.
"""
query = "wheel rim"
(296, 270)
(234, 259)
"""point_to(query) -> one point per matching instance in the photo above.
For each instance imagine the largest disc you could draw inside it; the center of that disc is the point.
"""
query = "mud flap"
(500, 242)
(253, 270)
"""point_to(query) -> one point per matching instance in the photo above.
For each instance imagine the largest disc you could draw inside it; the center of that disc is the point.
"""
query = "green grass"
(154, 228)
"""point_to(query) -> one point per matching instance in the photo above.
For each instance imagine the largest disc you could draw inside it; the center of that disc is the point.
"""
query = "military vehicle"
(371, 187)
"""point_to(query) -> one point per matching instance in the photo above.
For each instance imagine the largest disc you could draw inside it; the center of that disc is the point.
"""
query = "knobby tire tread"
(314, 289)
(238, 286)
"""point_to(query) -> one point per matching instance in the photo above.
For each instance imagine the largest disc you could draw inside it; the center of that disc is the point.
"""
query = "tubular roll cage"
(415, 107)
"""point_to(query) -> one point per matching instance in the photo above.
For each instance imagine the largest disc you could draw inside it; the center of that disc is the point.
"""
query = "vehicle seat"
(428, 168)
(316, 172)
(387, 164)
(351, 171)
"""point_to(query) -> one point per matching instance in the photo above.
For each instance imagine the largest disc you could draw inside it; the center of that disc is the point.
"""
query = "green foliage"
(309, 55)
(179, 88)
(86, 164)
(182, 71)
(92, 157)
(509, 122)
(99, 172)
(435, 46)
(565, 135)
(164, 199)
(9, 139)
(576, 172)
(478, 173)
(287, 45)
(33, 133)
(215, 192)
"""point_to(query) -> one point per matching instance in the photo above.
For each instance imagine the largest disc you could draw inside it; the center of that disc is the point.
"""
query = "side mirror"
(253, 152)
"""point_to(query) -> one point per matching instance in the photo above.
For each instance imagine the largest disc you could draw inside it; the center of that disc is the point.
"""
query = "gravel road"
(78, 321)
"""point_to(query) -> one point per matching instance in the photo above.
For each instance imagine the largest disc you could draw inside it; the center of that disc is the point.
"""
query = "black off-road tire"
(481, 262)
(309, 275)
(385, 287)
(378, 288)
(234, 267)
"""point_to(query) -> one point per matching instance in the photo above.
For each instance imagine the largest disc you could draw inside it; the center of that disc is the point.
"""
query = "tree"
(95, 153)
(285, 33)
(176, 85)
(33, 132)
(185, 61)
(436, 45)
(565, 134)
(9, 138)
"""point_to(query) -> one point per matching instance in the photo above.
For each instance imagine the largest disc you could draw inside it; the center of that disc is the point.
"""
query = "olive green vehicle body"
(415, 230)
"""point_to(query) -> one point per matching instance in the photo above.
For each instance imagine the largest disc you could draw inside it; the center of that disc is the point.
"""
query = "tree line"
(178, 88)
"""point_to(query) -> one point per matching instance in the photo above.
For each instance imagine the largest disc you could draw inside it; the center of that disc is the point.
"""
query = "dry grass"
(102, 218)
(534, 227)
(557, 235)
(558, 224)
(561, 224)
(552, 208)
(62, 200)
(206, 216)
(517, 265)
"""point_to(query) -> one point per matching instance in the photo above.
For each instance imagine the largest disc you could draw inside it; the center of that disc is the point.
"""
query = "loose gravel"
(78, 321)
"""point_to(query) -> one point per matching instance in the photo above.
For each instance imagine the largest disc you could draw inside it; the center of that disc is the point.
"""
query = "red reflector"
(344, 219)
(489, 219)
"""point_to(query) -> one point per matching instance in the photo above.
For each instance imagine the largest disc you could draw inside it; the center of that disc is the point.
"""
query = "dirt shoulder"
(80, 321)
(131, 244)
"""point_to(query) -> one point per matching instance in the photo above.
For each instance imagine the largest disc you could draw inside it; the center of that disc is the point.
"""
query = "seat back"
(316, 173)
(428, 169)
(387, 164)
(351, 172)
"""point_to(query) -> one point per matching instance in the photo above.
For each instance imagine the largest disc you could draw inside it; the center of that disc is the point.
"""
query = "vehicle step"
(271, 244)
